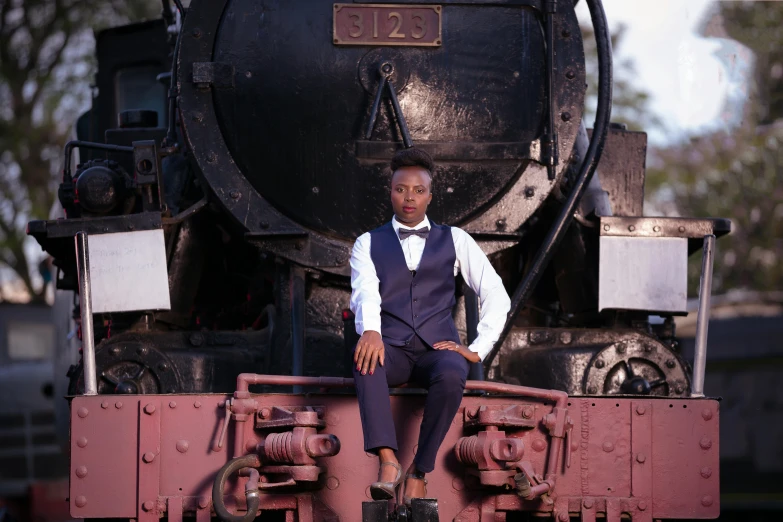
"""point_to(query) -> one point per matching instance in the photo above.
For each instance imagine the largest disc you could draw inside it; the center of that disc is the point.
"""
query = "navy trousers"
(441, 372)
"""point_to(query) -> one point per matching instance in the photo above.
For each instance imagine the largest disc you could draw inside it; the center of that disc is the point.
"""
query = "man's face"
(410, 194)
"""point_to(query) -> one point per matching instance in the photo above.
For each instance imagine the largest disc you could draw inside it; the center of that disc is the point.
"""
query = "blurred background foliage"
(46, 67)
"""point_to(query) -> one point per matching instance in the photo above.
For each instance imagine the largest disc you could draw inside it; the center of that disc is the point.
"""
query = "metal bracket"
(213, 74)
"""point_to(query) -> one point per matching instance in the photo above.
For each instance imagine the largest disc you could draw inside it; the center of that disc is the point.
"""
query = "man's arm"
(480, 276)
(366, 306)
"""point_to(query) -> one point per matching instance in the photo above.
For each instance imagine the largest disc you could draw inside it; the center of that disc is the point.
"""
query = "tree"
(737, 174)
(46, 49)
(630, 104)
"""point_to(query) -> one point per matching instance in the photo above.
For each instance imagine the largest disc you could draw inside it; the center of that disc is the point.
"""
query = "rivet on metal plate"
(706, 501)
(705, 443)
(148, 505)
(706, 414)
(640, 410)
(118, 405)
(642, 505)
(81, 442)
(81, 471)
(149, 409)
(80, 501)
(82, 412)
(148, 457)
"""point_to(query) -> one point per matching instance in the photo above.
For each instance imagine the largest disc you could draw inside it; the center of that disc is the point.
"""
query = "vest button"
(415, 300)
(415, 316)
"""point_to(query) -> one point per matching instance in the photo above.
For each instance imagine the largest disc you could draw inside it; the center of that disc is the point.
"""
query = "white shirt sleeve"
(365, 294)
(480, 276)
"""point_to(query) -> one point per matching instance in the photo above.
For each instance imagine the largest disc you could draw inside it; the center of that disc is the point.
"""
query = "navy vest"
(419, 304)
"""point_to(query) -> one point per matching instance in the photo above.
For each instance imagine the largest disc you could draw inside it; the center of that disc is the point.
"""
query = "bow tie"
(422, 232)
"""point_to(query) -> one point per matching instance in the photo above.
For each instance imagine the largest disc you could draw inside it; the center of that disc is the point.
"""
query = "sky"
(696, 83)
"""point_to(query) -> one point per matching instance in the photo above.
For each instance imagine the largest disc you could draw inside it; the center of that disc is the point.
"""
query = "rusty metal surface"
(612, 464)
(622, 171)
(387, 24)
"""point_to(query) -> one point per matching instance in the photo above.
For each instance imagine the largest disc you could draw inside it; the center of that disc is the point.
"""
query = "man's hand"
(460, 349)
(369, 352)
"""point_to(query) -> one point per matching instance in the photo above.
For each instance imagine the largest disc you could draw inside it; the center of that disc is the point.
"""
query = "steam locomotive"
(233, 153)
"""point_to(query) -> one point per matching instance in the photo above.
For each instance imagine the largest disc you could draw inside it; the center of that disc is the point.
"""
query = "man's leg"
(443, 373)
(373, 394)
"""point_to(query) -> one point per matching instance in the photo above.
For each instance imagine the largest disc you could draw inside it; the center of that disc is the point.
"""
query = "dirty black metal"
(76, 144)
(218, 75)
(375, 511)
(424, 510)
(593, 155)
(385, 71)
(549, 148)
(694, 229)
(170, 362)
(238, 137)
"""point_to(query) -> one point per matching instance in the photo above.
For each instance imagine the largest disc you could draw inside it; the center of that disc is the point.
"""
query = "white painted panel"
(643, 273)
(128, 271)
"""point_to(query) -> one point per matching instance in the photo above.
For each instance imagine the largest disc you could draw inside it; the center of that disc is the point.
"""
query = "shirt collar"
(396, 225)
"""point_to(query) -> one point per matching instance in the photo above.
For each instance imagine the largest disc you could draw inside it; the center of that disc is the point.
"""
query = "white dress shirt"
(476, 269)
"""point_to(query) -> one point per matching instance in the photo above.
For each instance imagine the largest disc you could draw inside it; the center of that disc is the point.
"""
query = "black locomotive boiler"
(256, 135)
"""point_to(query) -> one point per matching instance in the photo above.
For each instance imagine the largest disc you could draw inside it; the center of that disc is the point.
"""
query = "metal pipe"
(476, 371)
(219, 486)
(85, 304)
(592, 157)
(375, 106)
(297, 286)
(68, 150)
(551, 137)
(244, 380)
(406, 135)
(703, 317)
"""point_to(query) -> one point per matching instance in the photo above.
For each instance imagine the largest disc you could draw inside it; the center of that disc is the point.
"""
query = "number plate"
(387, 24)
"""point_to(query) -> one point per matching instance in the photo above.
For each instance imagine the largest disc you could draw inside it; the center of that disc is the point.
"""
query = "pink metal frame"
(145, 457)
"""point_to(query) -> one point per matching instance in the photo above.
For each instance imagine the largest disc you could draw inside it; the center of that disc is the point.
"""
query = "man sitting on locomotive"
(403, 281)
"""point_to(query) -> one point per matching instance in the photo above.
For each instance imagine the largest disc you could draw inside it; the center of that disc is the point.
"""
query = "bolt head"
(621, 348)
(148, 457)
(706, 472)
(670, 363)
(570, 75)
(608, 446)
(81, 471)
(705, 443)
(82, 412)
(642, 505)
(600, 363)
(81, 442)
(681, 229)
(679, 389)
(656, 228)
(588, 503)
(564, 517)
(172, 404)
(640, 458)
(197, 404)
(118, 404)
(527, 412)
(706, 501)
(105, 404)
(641, 410)
(631, 228)
(203, 502)
(706, 414)
(148, 505)
(530, 192)
(265, 413)
(592, 390)
(149, 409)
(80, 501)
(235, 194)
(182, 446)
(566, 116)
(606, 227)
